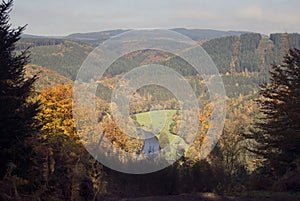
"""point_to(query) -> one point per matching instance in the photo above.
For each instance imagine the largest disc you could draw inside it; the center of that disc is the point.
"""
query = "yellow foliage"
(56, 111)
(120, 139)
(198, 145)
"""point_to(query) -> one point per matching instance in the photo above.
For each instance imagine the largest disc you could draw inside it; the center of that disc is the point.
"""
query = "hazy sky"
(62, 17)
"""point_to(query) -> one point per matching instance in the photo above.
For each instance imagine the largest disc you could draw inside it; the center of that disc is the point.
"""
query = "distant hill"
(96, 38)
(36, 36)
(206, 34)
(100, 36)
(243, 60)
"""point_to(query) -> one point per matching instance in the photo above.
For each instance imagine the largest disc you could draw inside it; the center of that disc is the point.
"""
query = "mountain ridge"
(98, 37)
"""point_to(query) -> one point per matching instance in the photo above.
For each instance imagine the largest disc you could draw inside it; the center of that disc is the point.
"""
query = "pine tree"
(277, 132)
(16, 110)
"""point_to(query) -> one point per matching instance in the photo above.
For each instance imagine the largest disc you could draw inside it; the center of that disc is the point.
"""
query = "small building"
(151, 143)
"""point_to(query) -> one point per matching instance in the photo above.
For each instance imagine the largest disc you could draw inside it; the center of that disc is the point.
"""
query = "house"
(151, 143)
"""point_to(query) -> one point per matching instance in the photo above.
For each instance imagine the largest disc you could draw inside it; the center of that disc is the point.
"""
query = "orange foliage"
(120, 139)
(56, 111)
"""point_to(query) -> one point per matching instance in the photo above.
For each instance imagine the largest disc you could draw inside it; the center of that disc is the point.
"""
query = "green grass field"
(158, 121)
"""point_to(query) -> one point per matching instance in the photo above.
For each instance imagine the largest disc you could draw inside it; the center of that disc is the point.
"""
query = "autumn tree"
(17, 111)
(277, 132)
(231, 162)
(119, 139)
(56, 111)
(61, 167)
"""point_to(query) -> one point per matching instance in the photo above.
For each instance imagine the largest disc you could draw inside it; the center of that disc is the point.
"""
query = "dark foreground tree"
(277, 132)
(16, 110)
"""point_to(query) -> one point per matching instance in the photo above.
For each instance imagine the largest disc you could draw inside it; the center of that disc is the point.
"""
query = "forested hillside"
(243, 62)
(62, 56)
(248, 52)
(45, 151)
(46, 78)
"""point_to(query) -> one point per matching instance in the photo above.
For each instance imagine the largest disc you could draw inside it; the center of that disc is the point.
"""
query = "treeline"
(25, 43)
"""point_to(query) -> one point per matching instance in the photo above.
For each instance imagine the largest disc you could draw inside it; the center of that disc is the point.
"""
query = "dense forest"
(43, 156)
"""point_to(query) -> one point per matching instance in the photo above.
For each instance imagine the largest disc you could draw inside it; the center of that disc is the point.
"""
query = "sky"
(63, 17)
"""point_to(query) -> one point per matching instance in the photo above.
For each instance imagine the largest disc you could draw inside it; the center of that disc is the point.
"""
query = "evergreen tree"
(277, 132)
(16, 110)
